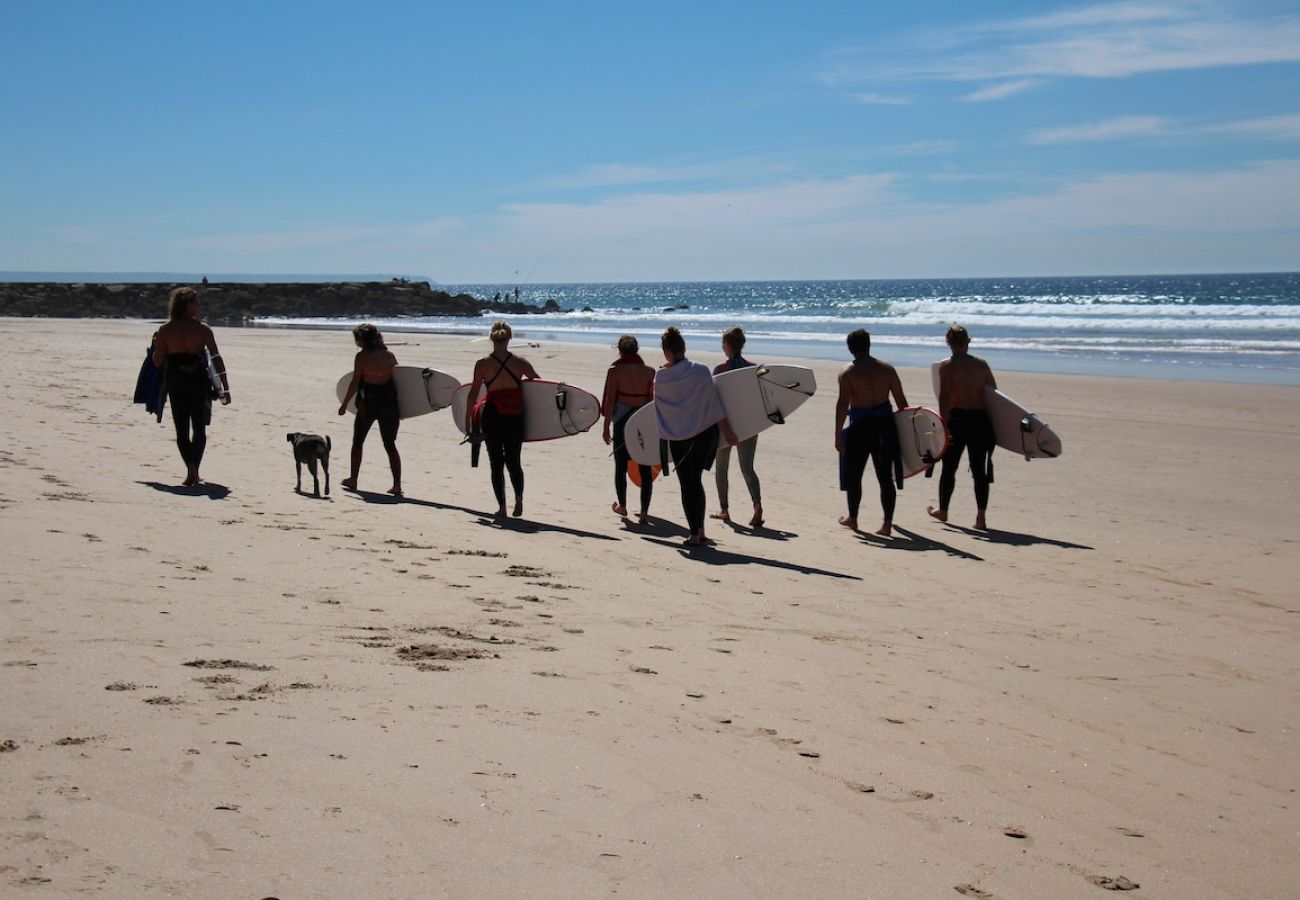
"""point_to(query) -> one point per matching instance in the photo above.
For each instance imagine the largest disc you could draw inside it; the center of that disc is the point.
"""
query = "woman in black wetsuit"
(629, 385)
(501, 413)
(372, 384)
(179, 346)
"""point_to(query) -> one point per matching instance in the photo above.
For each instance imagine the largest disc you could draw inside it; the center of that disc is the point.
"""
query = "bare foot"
(886, 529)
(940, 514)
(620, 511)
(722, 515)
(349, 484)
(642, 517)
(695, 540)
(756, 521)
(395, 490)
(980, 524)
(519, 509)
(849, 522)
(500, 513)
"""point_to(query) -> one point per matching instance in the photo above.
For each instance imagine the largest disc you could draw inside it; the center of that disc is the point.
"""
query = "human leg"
(745, 452)
(855, 464)
(388, 426)
(883, 464)
(721, 464)
(360, 428)
(621, 459)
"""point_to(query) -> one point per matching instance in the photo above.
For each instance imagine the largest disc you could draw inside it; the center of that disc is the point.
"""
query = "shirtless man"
(962, 379)
(865, 386)
(179, 346)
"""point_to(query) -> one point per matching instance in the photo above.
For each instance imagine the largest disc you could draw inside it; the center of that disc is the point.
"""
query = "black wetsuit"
(503, 432)
(376, 403)
(693, 457)
(190, 394)
(873, 435)
(970, 430)
(622, 457)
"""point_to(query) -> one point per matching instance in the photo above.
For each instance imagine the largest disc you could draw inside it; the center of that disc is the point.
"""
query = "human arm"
(945, 391)
(841, 410)
(160, 347)
(353, 385)
(526, 369)
(607, 403)
(896, 388)
(471, 398)
(727, 434)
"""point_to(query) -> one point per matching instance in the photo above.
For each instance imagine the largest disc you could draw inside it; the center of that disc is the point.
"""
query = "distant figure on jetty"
(865, 386)
(629, 385)
(733, 341)
(372, 385)
(501, 413)
(962, 379)
(690, 417)
(179, 346)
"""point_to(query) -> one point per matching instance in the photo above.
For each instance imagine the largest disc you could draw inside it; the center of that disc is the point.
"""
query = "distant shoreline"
(237, 303)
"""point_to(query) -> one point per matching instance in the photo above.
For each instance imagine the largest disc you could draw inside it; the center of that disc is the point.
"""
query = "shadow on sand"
(485, 518)
(910, 540)
(715, 557)
(209, 489)
(1016, 539)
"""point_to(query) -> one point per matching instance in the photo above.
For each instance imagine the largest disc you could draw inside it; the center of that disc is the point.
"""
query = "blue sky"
(498, 142)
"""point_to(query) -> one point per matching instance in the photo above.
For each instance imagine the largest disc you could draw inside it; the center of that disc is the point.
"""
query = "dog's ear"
(290, 436)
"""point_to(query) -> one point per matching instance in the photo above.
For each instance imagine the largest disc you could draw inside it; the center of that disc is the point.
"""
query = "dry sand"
(245, 692)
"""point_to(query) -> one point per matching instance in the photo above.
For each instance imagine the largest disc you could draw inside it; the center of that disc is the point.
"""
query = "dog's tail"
(327, 443)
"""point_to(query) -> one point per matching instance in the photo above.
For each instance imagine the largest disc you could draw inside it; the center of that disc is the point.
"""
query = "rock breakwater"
(236, 303)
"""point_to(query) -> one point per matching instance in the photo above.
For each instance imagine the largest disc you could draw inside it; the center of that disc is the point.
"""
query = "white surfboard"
(754, 398)
(419, 390)
(214, 377)
(1014, 427)
(922, 438)
(551, 409)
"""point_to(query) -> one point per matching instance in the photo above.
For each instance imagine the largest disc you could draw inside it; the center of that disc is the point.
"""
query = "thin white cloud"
(881, 99)
(1109, 130)
(625, 175)
(1283, 127)
(1114, 40)
(1237, 219)
(1001, 91)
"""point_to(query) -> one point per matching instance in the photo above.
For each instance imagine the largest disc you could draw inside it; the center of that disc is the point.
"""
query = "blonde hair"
(501, 331)
(179, 301)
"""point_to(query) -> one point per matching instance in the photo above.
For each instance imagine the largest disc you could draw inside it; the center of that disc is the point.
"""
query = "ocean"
(1243, 328)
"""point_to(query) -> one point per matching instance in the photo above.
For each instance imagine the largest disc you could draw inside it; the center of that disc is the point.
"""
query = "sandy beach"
(241, 691)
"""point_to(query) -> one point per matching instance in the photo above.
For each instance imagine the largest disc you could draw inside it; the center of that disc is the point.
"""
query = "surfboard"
(1015, 427)
(213, 377)
(419, 390)
(922, 438)
(754, 398)
(552, 409)
(634, 472)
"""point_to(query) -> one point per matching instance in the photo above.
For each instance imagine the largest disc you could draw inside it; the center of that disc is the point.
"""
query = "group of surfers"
(689, 414)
